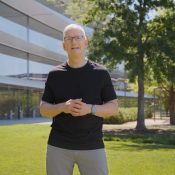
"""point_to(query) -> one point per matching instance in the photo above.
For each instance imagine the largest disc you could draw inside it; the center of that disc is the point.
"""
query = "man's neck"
(77, 63)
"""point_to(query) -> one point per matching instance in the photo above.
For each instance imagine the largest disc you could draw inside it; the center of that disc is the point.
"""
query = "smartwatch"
(93, 109)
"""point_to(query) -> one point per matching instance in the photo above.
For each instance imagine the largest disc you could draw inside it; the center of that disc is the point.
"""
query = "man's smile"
(75, 48)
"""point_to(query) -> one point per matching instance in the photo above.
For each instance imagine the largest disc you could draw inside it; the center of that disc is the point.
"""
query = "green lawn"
(23, 148)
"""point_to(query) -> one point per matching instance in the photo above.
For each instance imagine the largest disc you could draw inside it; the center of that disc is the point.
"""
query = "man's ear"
(63, 45)
(86, 42)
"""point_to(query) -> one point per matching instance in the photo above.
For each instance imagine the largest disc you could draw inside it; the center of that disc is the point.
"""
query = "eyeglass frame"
(77, 38)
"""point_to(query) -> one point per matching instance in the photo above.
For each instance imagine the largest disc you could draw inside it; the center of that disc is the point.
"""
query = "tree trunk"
(141, 72)
(140, 114)
(172, 105)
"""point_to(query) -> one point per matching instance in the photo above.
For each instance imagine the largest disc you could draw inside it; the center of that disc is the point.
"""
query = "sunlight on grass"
(23, 149)
(137, 159)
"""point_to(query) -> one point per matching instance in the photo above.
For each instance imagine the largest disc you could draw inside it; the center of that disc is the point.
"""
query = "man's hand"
(76, 107)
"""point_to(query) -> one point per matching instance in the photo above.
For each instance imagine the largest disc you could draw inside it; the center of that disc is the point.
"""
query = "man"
(78, 95)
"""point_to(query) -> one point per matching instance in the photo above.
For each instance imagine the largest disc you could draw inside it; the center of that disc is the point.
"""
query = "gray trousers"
(61, 161)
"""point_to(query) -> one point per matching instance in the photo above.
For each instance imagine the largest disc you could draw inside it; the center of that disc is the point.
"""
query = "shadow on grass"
(138, 147)
(132, 140)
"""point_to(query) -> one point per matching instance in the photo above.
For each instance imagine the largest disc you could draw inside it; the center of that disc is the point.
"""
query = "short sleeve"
(108, 92)
(48, 95)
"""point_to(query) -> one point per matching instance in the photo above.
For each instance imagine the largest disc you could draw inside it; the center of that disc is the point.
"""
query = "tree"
(121, 33)
(162, 53)
(77, 9)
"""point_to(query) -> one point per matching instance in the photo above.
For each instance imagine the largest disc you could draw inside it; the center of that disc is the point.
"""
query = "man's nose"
(73, 40)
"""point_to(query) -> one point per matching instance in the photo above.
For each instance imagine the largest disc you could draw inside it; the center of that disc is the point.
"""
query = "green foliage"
(77, 9)
(161, 50)
(162, 47)
(148, 113)
(74, 9)
(121, 32)
(126, 115)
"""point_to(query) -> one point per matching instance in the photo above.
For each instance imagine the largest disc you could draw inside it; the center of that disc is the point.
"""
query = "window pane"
(39, 68)
(10, 66)
(45, 41)
(13, 28)
(19, 103)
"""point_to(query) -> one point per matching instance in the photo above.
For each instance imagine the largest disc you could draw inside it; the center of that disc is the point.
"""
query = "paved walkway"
(26, 121)
(131, 125)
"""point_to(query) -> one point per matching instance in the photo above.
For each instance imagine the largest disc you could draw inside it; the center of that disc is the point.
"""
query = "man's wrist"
(89, 108)
(61, 107)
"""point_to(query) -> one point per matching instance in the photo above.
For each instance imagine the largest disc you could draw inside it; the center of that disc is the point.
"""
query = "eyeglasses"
(76, 38)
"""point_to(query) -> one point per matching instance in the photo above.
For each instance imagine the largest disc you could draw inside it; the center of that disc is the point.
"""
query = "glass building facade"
(26, 49)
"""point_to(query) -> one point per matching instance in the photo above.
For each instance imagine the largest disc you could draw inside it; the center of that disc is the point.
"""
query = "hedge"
(126, 115)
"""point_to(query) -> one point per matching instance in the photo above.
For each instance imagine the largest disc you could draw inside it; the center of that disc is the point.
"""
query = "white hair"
(74, 26)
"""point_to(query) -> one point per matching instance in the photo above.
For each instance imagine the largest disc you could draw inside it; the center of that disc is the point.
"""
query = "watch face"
(93, 109)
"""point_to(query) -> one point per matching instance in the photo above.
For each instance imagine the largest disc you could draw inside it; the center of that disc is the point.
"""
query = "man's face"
(74, 42)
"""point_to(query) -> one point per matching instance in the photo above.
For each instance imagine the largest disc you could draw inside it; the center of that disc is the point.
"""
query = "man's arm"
(107, 109)
(50, 110)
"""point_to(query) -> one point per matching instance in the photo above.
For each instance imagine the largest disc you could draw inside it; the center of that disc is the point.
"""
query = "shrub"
(126, 115)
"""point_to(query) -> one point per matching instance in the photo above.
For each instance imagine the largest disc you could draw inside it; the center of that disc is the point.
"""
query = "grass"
(23, 148)
(141, 155)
